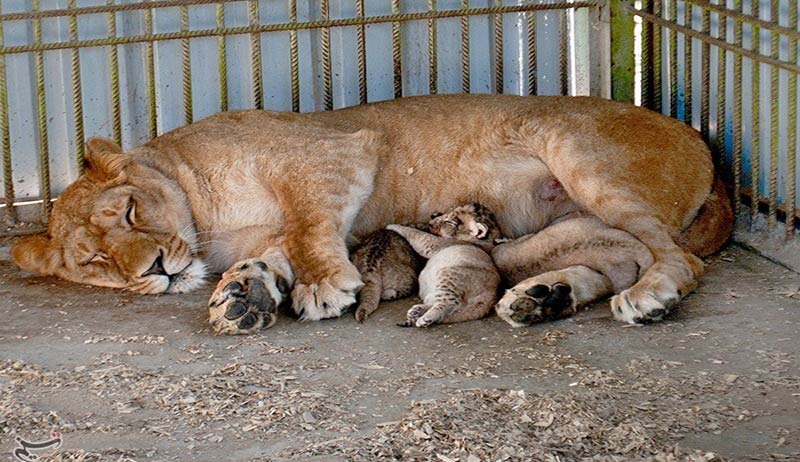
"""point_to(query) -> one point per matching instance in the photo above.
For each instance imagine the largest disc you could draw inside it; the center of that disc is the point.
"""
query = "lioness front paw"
(530, 302)
(643, 306)
(327, 298)
(246, 298)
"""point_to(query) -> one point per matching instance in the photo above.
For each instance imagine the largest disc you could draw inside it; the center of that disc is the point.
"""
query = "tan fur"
(251, 181)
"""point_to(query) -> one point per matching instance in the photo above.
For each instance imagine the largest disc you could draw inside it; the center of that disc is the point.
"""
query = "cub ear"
(36, 254)
(435, 215)
(105, 160)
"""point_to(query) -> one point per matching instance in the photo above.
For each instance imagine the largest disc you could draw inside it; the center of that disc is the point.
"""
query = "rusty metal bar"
(790, 198)
(77, 93)
(255, 55)
(738, 15)
(722, 25)
(8, 174)
(705, 71)
(737, 112)
(150, 70)
(498, 50)
(688, 102)
(755, 157)
(186, 66)
(773, 122)
(294, 58)
(533, 73)
(222, 60)
(41, 109)
(465, 66)
(361, 50)
(657, 60)
(397, 57)
(647, 55)
(673, 60)
(113, 62)
(433, 59)
(325, 48)
(564, 53)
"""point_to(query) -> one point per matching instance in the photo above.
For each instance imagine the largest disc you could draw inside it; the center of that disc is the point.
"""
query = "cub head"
(121, 224)
(471, 222)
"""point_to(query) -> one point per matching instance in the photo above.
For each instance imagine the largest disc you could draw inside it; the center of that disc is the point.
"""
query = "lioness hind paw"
(246, 299)
(530, 302)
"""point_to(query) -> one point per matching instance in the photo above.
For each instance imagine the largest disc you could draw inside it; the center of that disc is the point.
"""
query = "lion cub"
(459, 281)
(389, 268)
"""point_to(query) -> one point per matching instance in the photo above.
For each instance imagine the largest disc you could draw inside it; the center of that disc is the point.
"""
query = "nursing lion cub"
(271, 198)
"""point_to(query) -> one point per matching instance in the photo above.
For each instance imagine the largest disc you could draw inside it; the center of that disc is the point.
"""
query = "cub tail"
(370, 296)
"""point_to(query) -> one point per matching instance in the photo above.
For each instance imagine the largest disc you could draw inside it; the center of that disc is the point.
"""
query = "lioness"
(273, 197)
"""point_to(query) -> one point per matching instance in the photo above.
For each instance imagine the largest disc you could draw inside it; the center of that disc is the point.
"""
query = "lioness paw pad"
(246, 298)
(530, 302)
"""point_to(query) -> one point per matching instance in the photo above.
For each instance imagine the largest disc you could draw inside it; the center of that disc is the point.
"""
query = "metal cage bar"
(763, 179)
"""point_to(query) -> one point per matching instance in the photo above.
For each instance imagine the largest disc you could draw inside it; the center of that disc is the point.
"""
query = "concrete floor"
(129, 377)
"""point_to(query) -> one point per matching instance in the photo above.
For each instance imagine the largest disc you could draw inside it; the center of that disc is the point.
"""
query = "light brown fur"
(262, 183)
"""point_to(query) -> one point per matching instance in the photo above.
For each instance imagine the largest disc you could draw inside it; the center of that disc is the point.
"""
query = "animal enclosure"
(130, 70)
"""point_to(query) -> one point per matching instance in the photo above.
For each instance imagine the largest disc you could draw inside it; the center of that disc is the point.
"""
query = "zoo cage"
(130, 70)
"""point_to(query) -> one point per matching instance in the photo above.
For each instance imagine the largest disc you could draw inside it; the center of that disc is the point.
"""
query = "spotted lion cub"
(459, 281)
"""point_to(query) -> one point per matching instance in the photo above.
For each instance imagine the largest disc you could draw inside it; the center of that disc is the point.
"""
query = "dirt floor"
(129, 377)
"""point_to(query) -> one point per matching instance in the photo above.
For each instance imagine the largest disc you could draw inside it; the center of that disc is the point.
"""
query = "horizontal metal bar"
(281, 27)
(746, 18)
(791, 67)
(746, 196)
(55, 13)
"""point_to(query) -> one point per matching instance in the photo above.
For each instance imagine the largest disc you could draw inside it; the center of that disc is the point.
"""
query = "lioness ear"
(105, 160)
(36, 254)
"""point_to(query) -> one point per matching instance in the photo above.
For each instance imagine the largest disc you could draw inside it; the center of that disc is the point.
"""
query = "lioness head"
(121, 224)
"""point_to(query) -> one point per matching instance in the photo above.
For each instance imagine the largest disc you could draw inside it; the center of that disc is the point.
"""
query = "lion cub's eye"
(96, 258)
(130, 214)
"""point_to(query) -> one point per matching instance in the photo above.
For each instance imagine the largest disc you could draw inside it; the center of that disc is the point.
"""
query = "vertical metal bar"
(722, 56)
(150, 70)
(397, 54)
(737, 110)
(8, 176)
(498, 50)
(255, 56)
(773, 122)
(673, 60)
(433, 60)
(564, 52)
(186, 63)
(41, 107)
(294, 58)
(465, 67)
(222, 60)
(688, 105)
(657, 59)
(325, 38)
(113, 62)
(362, 55)
(77, 93)
(705, 71)
(533, 73)
(790, 198)
(755, 159)
(647, 63)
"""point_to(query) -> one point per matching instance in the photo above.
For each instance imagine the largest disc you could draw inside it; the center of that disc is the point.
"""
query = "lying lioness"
(273, 198)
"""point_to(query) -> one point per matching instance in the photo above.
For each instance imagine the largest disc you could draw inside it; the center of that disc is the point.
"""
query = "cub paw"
(414, 315)
(530, 302)
(327, 298)
(636, 306)
(246, 298)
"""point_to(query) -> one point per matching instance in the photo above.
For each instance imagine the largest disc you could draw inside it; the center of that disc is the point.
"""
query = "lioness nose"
(157, 267)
